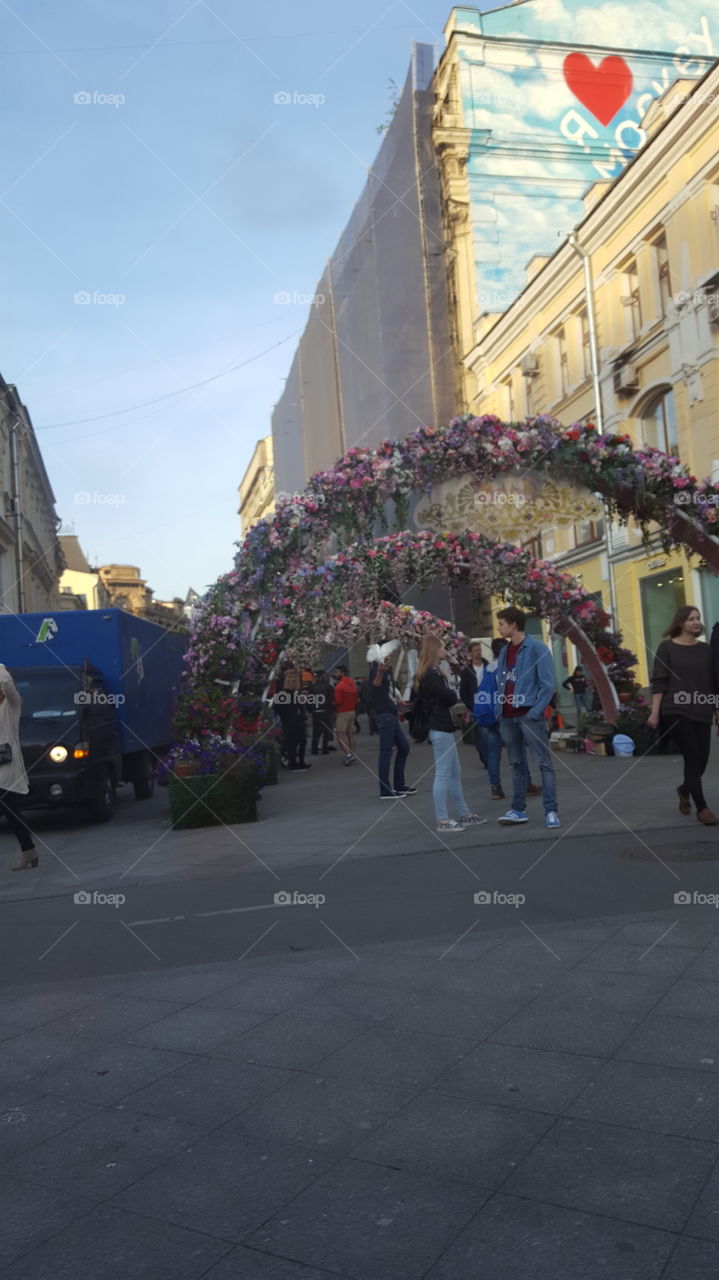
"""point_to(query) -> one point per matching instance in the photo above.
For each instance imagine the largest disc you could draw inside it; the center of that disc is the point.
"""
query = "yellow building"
(651, 244)
(257, 488)
(80, 586)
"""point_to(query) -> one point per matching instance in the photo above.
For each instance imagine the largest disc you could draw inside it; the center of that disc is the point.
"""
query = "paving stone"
(661, 1099)
(108, 1244)
(513, 1076)
(39, 1116)
(547, 950)
(705, 1218)
(395, 1057)
(288, 1039)
(670, 933)
(615, 957)
(567, 1024)
(453, 1013)
(265, 991)
(107, 1072)
(28, 1219)
(415, 972)
(705, 967)
(197, 1030)
(32, 1052)
(514, 985)
(687, 999)
(331, 1114)
(207, 1091)
(248, 1264)
(177, 986)
(227, 1185)
(448, 1138)
(693, 1260)
(675, 1042)
(108, 1151)
(645, 1178)
(625, 992)
(42, 1006)
(368, 1222)
(522, 1240)
(113, 1015)
(353, 1001)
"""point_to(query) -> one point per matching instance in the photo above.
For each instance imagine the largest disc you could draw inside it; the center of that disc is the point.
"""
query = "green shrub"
(209, 800)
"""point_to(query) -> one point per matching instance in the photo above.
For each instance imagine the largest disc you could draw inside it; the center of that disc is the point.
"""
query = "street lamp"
(598, 406)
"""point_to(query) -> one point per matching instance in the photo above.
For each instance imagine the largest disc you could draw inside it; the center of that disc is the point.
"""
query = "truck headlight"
(58, 754)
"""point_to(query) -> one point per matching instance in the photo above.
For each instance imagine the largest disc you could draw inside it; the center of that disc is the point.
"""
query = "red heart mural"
(603, 90)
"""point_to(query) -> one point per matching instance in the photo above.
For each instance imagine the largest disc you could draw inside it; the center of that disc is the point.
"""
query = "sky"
(156, 199)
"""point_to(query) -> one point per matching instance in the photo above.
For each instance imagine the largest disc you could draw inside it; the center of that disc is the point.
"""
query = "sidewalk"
(525, 1100)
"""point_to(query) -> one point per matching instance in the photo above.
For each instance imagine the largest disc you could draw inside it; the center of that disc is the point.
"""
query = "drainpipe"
(17, 514)
(598, 405)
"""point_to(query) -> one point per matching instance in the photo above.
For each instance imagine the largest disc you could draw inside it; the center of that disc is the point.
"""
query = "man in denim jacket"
(525, 685)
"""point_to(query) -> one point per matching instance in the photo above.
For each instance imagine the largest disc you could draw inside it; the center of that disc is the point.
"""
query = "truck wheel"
(144, 784)
(102, 805)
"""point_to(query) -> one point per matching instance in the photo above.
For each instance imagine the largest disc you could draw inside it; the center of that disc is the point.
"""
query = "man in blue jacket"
(525, 685)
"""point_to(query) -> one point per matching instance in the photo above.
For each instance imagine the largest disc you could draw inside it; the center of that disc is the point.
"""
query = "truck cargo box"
(140, 662)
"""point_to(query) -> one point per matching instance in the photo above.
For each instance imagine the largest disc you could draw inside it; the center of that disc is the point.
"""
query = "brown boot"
(684, 802)
(707, 817)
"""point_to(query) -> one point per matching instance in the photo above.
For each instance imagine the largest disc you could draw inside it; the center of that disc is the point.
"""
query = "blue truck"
(98, 691)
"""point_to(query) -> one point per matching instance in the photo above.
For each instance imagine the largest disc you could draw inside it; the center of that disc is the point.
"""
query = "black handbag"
(5, 753)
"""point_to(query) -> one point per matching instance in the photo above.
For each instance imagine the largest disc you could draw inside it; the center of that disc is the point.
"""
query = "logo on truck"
(48, 629)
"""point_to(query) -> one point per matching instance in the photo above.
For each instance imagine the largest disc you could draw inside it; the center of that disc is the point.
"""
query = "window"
(509, 400)
(659, 424)
(534, 547)
(586, 344)
(630, 297)
(588, 531)
(664, 277)
(529, 397)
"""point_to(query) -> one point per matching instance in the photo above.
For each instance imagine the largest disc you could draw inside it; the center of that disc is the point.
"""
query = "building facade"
(30, 555)
(652, 245)
(375, 358)
(127, 590)
(535, 102)
(80, 585)
(257, 487)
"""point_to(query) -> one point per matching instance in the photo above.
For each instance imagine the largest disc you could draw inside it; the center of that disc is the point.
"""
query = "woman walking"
(683, 698)
(432, 689)
(13, 779)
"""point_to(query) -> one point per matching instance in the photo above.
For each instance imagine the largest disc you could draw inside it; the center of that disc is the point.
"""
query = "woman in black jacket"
(432, 688)
(684, 698)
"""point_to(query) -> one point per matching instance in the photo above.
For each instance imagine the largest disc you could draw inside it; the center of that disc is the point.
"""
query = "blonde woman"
(13, 779)
(431, 687)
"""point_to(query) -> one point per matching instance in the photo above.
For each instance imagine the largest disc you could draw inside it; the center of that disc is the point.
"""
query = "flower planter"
(185, 769)
(212, 799)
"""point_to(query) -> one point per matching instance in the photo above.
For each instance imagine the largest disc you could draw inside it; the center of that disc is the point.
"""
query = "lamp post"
(598, 404)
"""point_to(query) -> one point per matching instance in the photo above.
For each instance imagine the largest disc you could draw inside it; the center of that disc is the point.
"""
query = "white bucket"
(623, 745)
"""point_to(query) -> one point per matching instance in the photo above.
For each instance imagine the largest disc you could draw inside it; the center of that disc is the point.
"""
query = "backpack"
(418, 719)
(485, 699)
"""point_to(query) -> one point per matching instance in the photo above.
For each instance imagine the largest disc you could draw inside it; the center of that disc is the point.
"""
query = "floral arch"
(285, 592)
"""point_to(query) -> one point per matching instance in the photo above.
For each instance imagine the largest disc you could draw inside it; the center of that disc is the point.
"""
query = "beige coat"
(12, 776)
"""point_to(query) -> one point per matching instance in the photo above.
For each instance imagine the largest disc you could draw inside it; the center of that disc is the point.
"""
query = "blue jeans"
(518, 731)
(447, 786)
(390, 736)
(489, 745)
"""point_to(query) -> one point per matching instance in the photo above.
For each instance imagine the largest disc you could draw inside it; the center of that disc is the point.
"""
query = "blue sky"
(181, 212)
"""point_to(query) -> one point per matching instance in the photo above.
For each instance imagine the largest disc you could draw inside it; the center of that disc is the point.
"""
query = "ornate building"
(30, 555)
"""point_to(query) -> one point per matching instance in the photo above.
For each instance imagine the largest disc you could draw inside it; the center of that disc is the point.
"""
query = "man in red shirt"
(346, 697)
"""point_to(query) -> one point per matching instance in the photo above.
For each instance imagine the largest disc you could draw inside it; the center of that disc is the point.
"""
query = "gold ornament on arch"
(512, 507)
